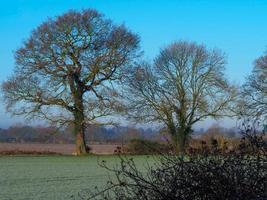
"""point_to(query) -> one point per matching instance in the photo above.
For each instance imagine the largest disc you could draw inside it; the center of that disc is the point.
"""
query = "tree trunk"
(179, 145)
(180, 140)
(185, 133)
(175, 143)
(78, 113)
(80, 138)
(182, 144)
(79, 129)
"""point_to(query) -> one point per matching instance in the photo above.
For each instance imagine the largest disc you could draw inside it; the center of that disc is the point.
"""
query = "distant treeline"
(94, 134)
(98, 134)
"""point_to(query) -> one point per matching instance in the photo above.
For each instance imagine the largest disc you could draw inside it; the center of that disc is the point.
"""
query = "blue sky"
(238, 27)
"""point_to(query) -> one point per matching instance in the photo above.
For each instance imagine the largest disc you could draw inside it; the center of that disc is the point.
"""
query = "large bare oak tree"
(184, 85)
(65, 71)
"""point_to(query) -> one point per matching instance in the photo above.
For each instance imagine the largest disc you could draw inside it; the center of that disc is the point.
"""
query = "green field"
(52, 177)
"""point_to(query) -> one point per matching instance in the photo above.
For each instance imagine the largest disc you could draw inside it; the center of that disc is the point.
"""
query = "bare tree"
(65, 70)
(184, 85)
(253, 101)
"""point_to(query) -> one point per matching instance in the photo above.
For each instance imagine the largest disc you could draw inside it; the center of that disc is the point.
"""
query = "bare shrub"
(241, 175)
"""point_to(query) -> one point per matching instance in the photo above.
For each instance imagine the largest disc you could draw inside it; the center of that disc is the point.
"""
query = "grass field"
(52, 177)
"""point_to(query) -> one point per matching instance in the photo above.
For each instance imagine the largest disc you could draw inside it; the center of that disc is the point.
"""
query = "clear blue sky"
(238, 27)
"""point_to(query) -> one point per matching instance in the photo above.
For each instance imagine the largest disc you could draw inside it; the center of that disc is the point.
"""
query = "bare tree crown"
(185, 84)
(67, 61)
(253, 101)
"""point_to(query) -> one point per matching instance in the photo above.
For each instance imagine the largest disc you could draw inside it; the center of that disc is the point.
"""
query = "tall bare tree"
(184, 85)
(253, 100)
(65, 70)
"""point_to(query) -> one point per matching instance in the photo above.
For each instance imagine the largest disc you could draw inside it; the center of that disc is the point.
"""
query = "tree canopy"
(65, 69)
(185, 84)
(254, 91)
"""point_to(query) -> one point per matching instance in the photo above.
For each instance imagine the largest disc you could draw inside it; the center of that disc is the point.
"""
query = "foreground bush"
(237, 176)
(194, 178)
